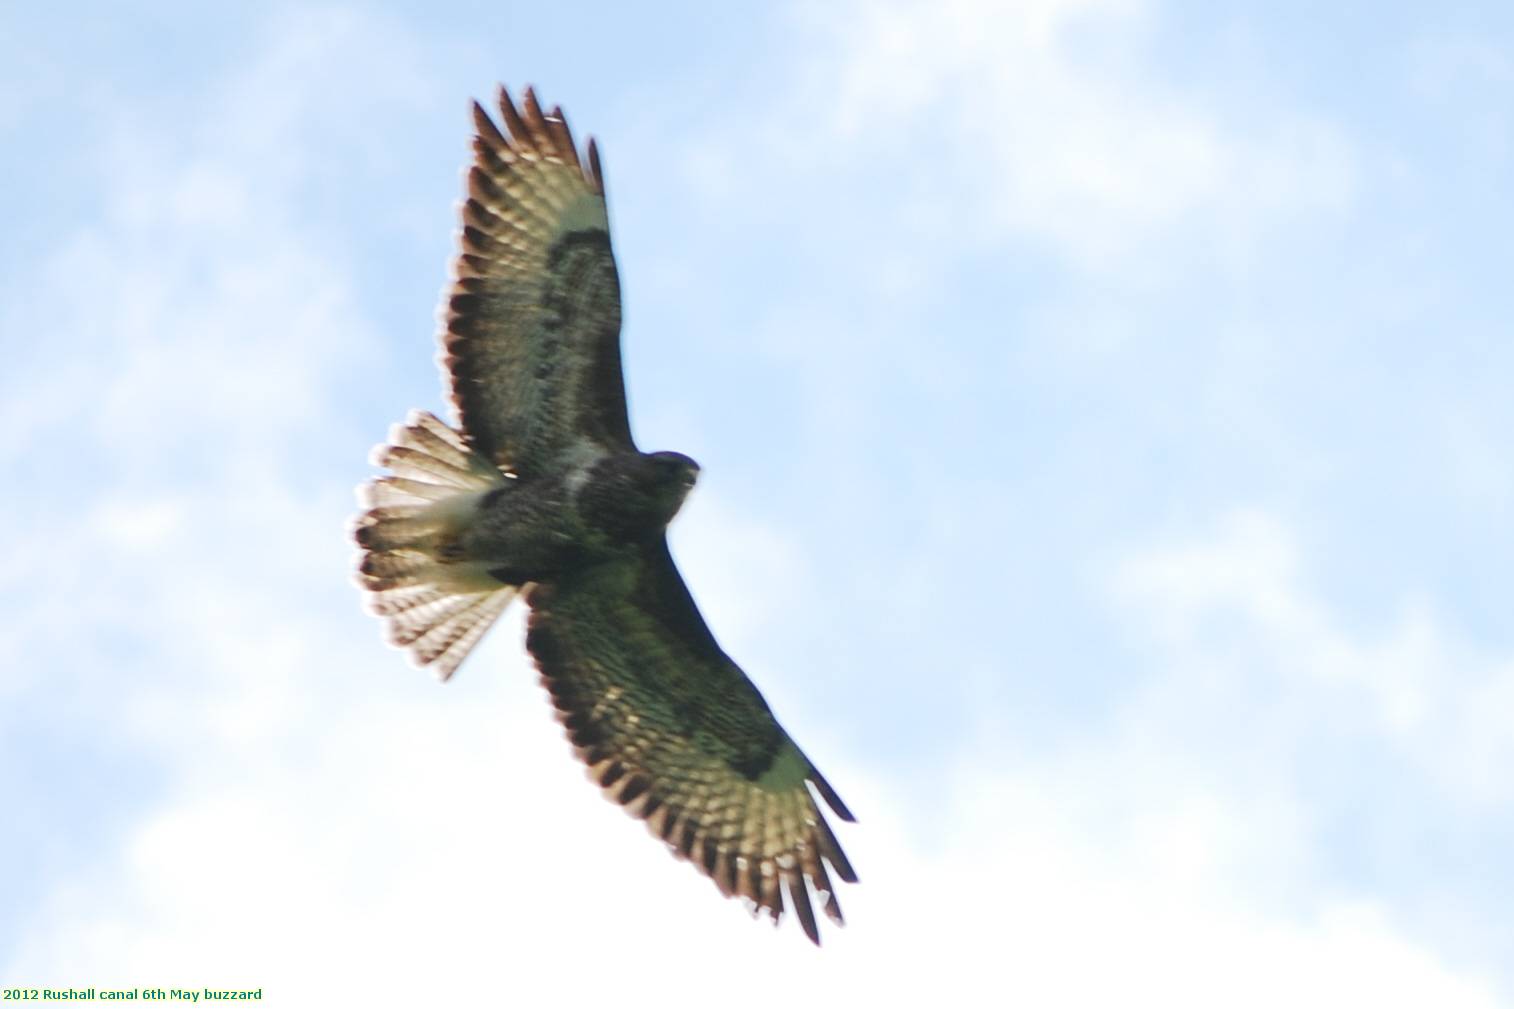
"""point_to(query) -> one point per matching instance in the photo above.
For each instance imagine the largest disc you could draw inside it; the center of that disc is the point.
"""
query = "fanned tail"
(437, 604)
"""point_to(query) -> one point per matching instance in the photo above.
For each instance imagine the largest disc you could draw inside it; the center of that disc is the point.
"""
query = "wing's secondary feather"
(532, 341)
(673, 730)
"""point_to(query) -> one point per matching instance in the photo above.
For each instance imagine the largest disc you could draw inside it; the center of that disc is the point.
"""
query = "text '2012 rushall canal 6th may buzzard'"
(20, 996)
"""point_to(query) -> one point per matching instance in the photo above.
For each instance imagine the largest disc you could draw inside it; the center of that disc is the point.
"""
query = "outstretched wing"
(672, 729)
(532, 346)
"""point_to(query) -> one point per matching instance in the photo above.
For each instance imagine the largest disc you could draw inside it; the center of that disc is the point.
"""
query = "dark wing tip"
(485, 126)
(829, 795)
(800, 899)
(562, 138)
(535, 122)
(513, 121)
(830, 848)
(530, 108)
(596, 172)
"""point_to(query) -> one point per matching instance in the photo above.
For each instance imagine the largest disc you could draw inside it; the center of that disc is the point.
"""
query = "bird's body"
(543, 494)
(542, 529)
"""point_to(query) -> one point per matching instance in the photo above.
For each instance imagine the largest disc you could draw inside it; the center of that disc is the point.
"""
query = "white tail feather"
(436, 603)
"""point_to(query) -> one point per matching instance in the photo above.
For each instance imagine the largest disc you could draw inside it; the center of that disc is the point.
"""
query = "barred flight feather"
(436, 606)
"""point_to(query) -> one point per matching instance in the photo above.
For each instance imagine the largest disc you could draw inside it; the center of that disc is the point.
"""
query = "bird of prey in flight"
(540, 492)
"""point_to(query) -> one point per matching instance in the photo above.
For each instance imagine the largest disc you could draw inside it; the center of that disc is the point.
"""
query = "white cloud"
(1053, 120)
(725, 550)
(1236, 602)
(450, 850)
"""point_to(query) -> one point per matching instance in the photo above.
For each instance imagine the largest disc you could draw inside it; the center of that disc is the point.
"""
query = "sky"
(1104, 419)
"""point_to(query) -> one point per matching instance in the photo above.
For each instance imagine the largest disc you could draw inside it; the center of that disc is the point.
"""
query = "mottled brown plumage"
(532, 347)
(543, 493)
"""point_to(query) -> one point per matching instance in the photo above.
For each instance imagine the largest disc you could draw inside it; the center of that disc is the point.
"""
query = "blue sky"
(1104, 423)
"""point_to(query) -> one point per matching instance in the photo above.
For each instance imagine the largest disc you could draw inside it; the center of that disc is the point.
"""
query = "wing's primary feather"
(532, 345)
(672, 729)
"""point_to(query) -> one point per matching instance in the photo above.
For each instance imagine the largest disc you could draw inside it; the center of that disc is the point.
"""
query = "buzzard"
(541, 493)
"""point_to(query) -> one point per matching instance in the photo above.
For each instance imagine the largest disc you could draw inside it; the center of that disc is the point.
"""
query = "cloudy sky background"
(1104, 411)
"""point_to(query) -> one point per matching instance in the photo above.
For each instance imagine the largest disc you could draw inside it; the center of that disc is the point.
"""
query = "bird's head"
(671, 476)
(630, 494)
